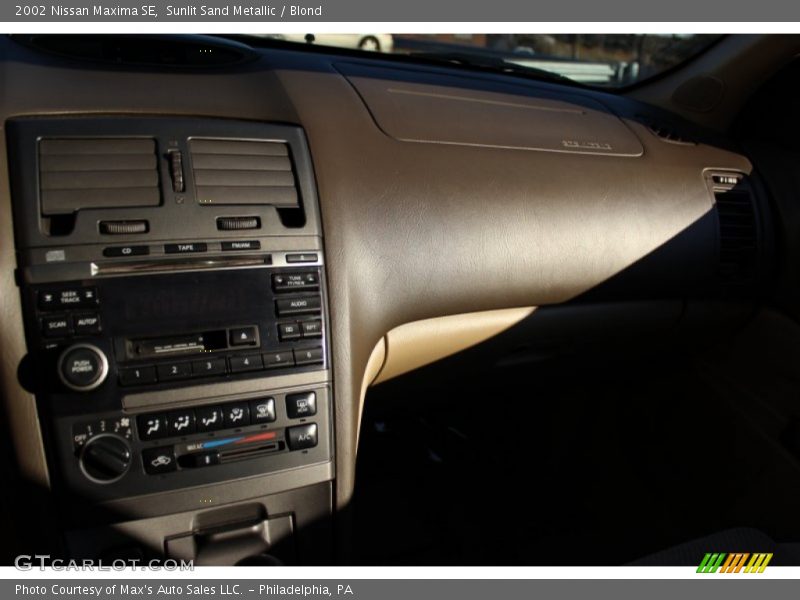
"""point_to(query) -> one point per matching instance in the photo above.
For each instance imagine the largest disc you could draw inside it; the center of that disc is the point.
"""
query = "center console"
(172, 275)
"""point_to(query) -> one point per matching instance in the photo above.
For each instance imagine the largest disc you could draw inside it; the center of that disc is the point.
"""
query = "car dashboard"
(205, 266)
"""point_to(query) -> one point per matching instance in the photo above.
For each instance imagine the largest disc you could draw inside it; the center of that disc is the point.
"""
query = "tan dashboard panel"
(415, 231)
(414, 345)
(454, 112)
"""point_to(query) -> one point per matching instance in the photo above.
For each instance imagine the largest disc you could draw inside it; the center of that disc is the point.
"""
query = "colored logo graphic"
(734, 562)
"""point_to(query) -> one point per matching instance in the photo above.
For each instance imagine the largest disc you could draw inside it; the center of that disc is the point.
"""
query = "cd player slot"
(186, 264)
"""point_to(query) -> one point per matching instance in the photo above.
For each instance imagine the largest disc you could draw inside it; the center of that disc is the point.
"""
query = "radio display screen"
(187, 301)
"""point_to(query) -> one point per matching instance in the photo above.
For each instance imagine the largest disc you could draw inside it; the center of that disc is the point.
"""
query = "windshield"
(609, 60)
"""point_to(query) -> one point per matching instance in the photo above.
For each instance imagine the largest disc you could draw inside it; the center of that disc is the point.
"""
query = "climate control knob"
(105, 458)
(82, 367)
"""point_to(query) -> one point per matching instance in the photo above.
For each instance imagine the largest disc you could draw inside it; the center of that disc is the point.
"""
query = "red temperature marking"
(259, 437)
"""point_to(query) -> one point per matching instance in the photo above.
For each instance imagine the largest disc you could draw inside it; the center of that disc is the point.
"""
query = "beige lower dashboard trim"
(374, 365)
(414, 345)
(419, 343)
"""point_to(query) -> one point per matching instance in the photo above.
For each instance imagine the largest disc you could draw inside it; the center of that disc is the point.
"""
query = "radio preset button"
(262, 411)
(152, 427)
(288, 331)
(249, 362)
(209, 366)
(185, 248)
(137, 375)
(159, 460)
(301, 437)
(308, 356)
(311, 329)
(236, 415)
(277, 360)
(56, 326)
(209, 418)
(181, 422)
(243, 336)
(87, 324)
(298, 306)
(301, 405)
(118, 251)
(170, 371)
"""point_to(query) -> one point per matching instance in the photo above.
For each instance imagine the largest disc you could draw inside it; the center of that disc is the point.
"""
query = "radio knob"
(105, 458)
(82, 367)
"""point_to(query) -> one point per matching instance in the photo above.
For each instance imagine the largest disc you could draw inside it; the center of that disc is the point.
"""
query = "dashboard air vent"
(738, 228)
(243, 172)
(81, 173)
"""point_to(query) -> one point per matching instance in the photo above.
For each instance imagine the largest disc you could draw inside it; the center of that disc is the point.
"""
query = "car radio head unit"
(159, 331)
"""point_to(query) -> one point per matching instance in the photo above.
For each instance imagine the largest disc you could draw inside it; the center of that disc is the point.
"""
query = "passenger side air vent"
(84, 173)
(738, 228)
(243, 172)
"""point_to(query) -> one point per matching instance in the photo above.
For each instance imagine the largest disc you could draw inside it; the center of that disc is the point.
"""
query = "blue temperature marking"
(223, 442)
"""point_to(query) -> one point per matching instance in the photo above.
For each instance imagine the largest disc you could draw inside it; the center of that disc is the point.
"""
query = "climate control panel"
(130, 454)
(197, 436)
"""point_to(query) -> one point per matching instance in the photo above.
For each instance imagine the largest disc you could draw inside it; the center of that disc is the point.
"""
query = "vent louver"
(81, 173)
(243, 172)
(738, 229)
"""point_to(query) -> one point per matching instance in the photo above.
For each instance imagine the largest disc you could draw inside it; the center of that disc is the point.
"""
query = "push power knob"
(82, 367)
(105, 458)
